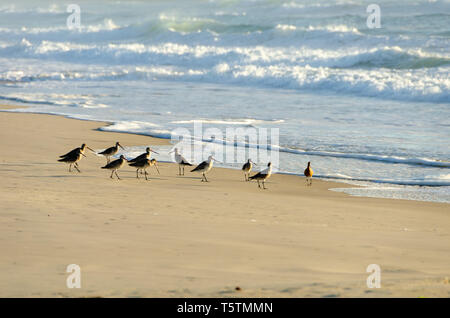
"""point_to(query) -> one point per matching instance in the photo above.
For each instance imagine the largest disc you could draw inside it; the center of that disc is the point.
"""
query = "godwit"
(308, 174)
(247, 167)
(73, 159)
(263, 175)
(143, 165)
(75, 151)
(115, 165)
(204, 167)
(145, 155)
(111, 151)
(182, 162)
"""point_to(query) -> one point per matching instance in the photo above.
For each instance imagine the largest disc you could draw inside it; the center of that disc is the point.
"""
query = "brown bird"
(263, 176)
(145, 155)
(143, 165)
(247, 168)
(73, 159)
(308, 174)
(111, 151)
(115, 165)
(74, 151)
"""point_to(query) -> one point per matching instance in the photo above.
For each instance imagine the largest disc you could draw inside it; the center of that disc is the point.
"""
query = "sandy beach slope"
(176, 236)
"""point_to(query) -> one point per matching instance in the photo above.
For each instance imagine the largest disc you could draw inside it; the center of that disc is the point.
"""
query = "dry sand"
(178, 237)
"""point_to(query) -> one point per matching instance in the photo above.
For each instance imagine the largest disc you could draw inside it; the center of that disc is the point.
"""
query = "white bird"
(182, 162)
(205, 167)
(263, 175)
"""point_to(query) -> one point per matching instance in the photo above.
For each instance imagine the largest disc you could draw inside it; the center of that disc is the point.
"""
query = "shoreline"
(174, 236)
(340, 183)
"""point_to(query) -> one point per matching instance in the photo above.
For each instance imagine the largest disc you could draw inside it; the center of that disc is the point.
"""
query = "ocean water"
(365, 106)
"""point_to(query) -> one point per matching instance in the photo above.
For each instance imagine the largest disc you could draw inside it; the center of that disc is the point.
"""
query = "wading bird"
(308, 174)
(145, 155)
(115, 165)
(75, 151)
(205, 167)
(111, 151)
(263, 175)
(143, 165)
(73, 159)
(247, 168)
(182, 162)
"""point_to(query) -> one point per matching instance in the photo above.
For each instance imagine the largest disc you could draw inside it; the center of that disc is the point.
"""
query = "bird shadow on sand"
(63, 176)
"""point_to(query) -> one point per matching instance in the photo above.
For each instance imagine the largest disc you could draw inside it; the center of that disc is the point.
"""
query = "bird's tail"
(186, 163)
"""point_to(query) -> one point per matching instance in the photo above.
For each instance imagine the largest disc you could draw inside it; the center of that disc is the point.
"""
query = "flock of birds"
(143, 161)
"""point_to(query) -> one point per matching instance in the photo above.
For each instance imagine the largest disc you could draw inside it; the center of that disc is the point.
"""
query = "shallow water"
(364, 105)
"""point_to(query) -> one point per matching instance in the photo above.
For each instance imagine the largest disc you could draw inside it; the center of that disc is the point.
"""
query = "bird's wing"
(106, 151)
(70, 153)
(111, 164)
(139, 158)
(200, 166)
(184, 161)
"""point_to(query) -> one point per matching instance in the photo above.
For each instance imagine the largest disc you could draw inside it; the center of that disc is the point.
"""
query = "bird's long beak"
(121, 146)
(83, 154)
(157, 168)
(216, 160)
(253, 163)
(90, 149)
(154, 151)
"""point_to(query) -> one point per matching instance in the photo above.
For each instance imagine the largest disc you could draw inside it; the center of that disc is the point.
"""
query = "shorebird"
(75, 151)
(247, 167)
(263, 175)
(143, 165)
(145, 155)
(115, 165)
(308, 174)
(204, 167)
(111, 151)
(73, 159)
(182, 162)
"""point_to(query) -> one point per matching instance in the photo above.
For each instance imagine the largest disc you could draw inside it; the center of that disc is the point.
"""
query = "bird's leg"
(183, 170)
(259, 186)
(115, 171)
(70, 166)
(112, 174)
(145, 171)
(179, 170)
(264, 185)
(137, 173)
(76, 167)
(205, 178)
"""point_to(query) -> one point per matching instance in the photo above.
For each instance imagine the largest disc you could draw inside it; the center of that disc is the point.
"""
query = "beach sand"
(178, 237)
